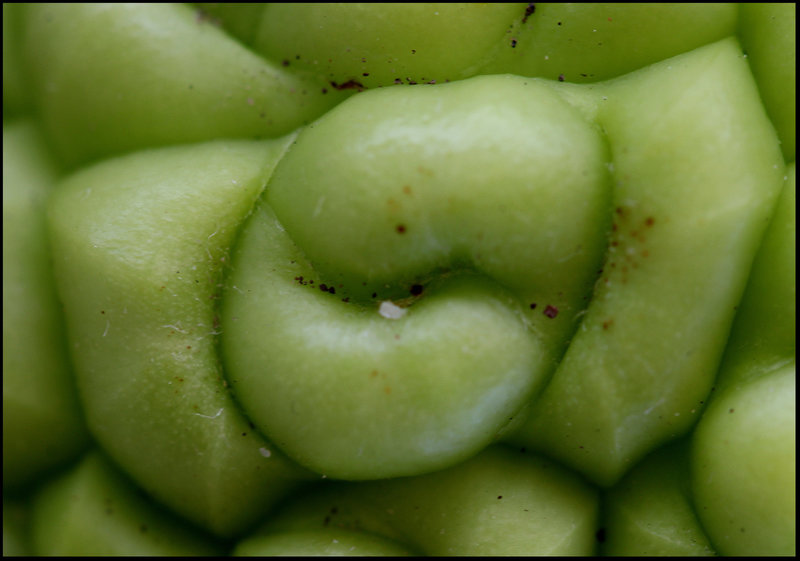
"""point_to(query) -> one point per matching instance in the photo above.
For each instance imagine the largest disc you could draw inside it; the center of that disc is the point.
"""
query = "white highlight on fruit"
(266, 452)
(318, 207)
(214, 416)
(391, 311)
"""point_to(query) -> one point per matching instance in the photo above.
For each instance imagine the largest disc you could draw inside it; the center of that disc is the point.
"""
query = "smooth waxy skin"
(353, 394)
(499, 502)
(763, 337)
(385, 43)
(43, 425)
(592, 42)
(321, 542)
(93, 509)
(650, 513)
(690, 209)
(140, 244)
(746, 438)
(364, 45)
(768, 35)
(169, 76)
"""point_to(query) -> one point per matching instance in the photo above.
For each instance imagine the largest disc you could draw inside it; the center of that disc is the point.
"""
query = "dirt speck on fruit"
(529, 11)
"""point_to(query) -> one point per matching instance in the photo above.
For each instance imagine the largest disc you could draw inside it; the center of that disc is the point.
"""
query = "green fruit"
(690, 208)
(140, 243)
(368, 45)
(743, 467)
(743, 455)
(597, 41)
(768, 34)
(499, 502)
(381, 243)
(43, 426)
(94, 510)
(466, 231)
(763, 336)
(168, 75)
(649, 513)
(326, 541)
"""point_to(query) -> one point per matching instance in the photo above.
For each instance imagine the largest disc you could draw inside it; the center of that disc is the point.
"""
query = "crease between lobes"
(376, 199)
(505, 322)
(436, 385)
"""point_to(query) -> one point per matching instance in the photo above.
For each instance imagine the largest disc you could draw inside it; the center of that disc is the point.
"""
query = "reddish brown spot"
(533, 305)
(416, 289)
(551, 311)
(649, 221)
(607, 324)
(401, 229)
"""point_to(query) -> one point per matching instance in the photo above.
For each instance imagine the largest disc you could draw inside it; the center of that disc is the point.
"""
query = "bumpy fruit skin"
(354, 394)
(689, 211)
(95, 510)
(650, 512)
(140, 243)
(581, 43)
(595, 297)
(168, 75)
(43, 425)
(768, 34)
(746, 437)
(499, 502)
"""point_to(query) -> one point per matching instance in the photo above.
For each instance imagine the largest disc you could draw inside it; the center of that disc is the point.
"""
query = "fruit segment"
(476, 212)
(696, 175)
(168, 77)
(93, 509)
(140, 243)
(501, 279)
(43, 426)
(650, 512)
(499, 502)
(747, 437)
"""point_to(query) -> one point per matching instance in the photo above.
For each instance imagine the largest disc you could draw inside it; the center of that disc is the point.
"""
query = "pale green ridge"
(327, 542)
(112, 78)
(43, 426)
(763, 337)
(697, 171)
(769, 35)
(140, 243)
